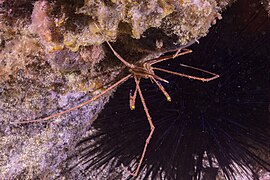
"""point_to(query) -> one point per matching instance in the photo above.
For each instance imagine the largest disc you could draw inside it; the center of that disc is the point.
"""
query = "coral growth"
(44, 26)
(73, 27)
(184, 24)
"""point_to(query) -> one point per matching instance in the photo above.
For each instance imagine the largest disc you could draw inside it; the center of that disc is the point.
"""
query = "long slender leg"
(159, 78)
(162, 89)
(132, 99)
(151, 126)
(78, 106)
(164, 58)
(198, 69)
(191, 77)
(119, 57)
(114, 52)
(186, 51)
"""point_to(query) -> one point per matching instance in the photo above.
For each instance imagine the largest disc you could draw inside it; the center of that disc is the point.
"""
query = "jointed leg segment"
(164, 58)
(189, 76)
(152, 127)
(162, 89)
(132, 99)
(78, 106)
